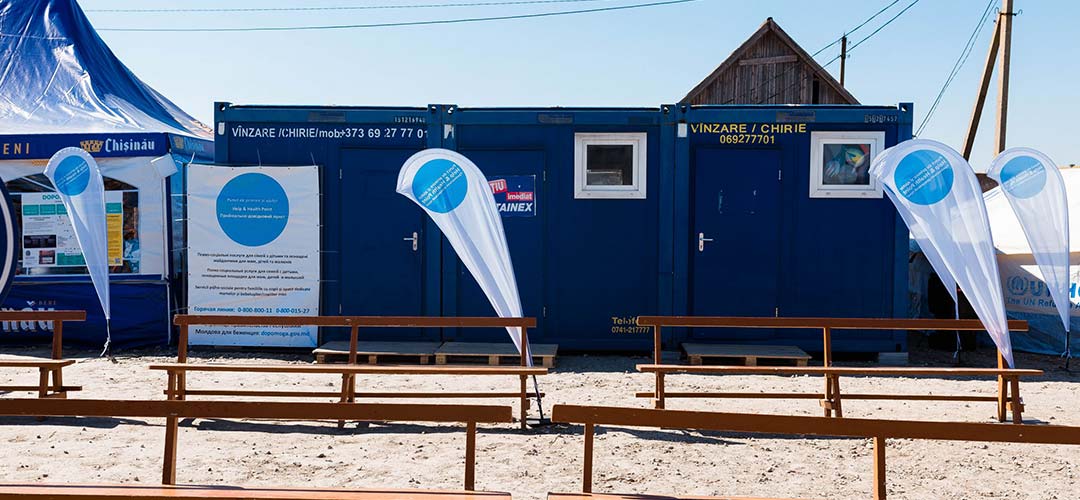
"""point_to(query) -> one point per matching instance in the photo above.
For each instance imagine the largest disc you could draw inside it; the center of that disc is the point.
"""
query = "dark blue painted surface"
(587, 267)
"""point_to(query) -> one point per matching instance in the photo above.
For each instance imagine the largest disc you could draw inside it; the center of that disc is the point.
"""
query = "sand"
(531, 463)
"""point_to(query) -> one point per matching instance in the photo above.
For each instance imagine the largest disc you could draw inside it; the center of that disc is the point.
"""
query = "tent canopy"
(58, 76)
(1026, 296)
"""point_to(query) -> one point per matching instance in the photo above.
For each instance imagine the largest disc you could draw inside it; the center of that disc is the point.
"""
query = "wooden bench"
(173, 410)
(877, 430)
(47, 368)
(1007, 379)
(177, 385)
(831, 400)
(354, 323)
(194, 492)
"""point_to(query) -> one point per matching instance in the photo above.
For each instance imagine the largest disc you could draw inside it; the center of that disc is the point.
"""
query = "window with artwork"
(840, 164)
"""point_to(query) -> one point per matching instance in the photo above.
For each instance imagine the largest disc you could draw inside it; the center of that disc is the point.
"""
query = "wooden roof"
(768, 68)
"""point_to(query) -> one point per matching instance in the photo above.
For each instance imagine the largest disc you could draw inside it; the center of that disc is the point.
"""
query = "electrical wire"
(404, 23)
(333, 8)
(964, 54)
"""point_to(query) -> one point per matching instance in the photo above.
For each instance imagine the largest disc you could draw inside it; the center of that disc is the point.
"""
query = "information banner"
(49, 239)
(515, 195)
(253, 250)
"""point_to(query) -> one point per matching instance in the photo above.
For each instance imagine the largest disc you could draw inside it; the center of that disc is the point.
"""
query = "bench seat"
(841, 370)
(35, 363)
(613, 496)
(193, 492)
(352, 369)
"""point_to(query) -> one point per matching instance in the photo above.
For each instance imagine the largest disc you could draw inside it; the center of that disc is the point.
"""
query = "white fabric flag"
(935, 189)
(1033, 185)
(455, 193)
(78, 181)
(931, 252)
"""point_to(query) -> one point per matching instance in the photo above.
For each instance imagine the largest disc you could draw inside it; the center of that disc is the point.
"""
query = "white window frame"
(637, 140)
(818, 140)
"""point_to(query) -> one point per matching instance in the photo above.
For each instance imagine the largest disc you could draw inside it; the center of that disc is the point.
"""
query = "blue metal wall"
(587, 267)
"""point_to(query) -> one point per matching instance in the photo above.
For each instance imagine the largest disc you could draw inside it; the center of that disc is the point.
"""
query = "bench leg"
(586, 474)
(828, 400)
(346, 394)
(1002, 396)
(470, 457)
(658, 403)
(1017, 404)
(168, 466)
(524, 399)
(879, 468)
(58, 383)
(837, 407)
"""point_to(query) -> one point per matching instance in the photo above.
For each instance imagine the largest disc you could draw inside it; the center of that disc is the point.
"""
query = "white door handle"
(701, 239)
(415, 239)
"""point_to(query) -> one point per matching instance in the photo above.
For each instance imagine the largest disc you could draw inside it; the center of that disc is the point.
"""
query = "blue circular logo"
(1017, 285)
(72, 175)
(924, 177)
(1023, 176)
(252, 209)
(440, 185)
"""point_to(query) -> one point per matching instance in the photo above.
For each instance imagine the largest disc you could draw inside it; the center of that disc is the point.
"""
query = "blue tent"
(61, 86)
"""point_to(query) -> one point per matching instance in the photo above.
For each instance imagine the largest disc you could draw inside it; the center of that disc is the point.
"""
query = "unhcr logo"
(91, 145)
(1017, 285)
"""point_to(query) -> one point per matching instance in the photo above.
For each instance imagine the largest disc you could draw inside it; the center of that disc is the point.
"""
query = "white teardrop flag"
(935, 189)
(1036, 192)
(78, 181)
(456, 195)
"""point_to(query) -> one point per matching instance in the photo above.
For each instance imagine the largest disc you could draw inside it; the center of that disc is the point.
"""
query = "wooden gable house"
(769, 68)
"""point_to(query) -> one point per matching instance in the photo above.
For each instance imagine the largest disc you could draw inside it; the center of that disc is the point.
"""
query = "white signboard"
(253, 250)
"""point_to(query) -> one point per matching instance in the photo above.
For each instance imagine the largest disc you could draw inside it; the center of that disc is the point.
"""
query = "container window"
(840, 164)
(610, 165)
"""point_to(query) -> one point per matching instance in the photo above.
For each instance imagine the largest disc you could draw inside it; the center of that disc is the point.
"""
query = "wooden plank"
(817, 323)
(980, 97)
(616, 496)
(35, 363)
(251, 409)
(362, 395)
(768, 60)
(34, 388)
(193, 492)
(817, 426)
(811, 395)
(493, 353)
(355, 369)
(349, 321)
(745, 351)
(839, 370)
(378, 348)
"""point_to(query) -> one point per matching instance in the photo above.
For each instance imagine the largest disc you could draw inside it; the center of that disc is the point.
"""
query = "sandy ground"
(531, 463)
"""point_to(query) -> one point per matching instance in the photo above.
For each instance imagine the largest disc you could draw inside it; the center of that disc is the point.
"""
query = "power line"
(404, 23)
(340, 7)
(964, 54)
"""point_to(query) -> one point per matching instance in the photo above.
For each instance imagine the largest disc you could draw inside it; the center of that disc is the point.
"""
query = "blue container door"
(382, 250)
(524, 227)
(735, 239)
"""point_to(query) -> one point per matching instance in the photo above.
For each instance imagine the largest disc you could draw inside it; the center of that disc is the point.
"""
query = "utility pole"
(1000, 48)
(1003, 76)
(843, 57)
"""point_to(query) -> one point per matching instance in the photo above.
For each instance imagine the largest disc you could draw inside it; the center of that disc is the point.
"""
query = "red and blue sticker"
(515, 195)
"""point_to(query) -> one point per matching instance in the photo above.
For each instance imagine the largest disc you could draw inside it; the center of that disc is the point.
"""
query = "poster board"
(253, 250)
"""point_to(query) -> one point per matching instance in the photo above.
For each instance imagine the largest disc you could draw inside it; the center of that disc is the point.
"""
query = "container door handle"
(415, 239)
(701, 239)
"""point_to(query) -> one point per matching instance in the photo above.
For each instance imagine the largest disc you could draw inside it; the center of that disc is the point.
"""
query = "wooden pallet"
(374, 351)
(749, 354)
(493, 353)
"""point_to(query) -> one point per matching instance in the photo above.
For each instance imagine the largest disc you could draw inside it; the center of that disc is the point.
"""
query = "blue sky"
(638, 57)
